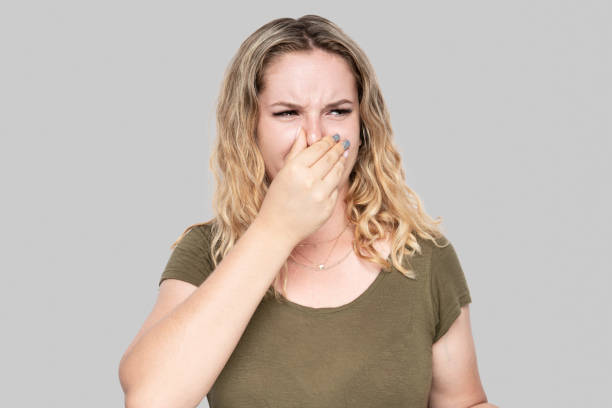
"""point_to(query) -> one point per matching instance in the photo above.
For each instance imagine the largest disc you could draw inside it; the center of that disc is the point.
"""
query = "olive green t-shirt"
(374, 351)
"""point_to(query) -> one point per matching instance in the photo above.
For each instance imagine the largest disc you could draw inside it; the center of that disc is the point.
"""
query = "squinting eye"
(340, 112)
(282, 113)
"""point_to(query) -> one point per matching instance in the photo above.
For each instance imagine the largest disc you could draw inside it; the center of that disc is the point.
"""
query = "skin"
(311, 80)
(455, 377)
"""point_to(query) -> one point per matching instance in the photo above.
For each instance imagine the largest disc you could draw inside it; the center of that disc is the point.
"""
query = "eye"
(342, 111)
(283, 113)
(291, 112)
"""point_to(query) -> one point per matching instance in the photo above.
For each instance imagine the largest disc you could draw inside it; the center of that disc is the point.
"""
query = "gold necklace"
(322, 266)
(322, 242)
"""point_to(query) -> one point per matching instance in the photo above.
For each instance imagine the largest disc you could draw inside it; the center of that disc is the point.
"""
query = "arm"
(456, 382)
(177, 360)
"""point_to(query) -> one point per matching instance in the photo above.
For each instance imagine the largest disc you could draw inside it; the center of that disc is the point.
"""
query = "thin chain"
(322, 242)
(323, 267)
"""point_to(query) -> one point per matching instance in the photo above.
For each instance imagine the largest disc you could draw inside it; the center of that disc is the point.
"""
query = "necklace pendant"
(321, 267)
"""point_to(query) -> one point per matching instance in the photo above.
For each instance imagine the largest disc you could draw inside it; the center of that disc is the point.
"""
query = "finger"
(328, 160)
(299, 144)
(333, 177)
(312, 154)
(334, 194)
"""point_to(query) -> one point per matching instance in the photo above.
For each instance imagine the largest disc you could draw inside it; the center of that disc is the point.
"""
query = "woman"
(331, 287)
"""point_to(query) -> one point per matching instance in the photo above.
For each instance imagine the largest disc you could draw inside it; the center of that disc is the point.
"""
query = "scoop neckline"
(332, 309)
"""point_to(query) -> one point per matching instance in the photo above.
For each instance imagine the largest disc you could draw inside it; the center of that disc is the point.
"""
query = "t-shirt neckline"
(322, 310)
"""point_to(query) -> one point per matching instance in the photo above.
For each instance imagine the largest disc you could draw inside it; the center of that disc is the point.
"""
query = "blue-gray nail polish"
(346, 144)
(336, 137)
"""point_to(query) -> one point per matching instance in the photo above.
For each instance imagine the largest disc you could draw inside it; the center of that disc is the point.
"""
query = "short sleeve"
(190, 260)
(449, 289)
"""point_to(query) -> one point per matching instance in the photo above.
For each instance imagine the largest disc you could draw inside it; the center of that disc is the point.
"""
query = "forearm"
(178, 360)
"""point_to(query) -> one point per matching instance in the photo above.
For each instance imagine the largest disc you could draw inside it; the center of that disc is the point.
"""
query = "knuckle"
(339, 170)
(328, 141)
(322, 146)
(308, 182)
(292, 170)
(318, 196)
(340, 167)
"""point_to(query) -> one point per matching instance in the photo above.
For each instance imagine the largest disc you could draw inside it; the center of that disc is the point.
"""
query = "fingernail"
(336, 137)
(346, 144)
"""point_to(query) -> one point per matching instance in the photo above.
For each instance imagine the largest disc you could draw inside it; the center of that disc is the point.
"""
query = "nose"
(314, 130)
(313, 137)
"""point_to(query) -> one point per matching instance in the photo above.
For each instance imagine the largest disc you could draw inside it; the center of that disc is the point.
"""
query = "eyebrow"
(329, 105)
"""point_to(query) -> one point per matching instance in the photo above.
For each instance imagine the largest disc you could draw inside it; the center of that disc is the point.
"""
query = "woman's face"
(311, 83)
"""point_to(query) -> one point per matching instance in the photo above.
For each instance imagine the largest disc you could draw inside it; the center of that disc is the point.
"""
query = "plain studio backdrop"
(501, 112)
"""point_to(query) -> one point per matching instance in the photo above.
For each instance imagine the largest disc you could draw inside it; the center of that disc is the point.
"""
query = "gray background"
(501, 111)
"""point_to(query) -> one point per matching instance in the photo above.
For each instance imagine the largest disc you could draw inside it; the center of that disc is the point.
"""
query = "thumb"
(299, 143)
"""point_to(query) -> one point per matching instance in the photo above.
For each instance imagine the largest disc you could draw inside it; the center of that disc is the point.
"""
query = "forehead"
(317, 73)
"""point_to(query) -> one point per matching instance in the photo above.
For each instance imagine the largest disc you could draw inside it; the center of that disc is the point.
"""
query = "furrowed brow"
(329, 105)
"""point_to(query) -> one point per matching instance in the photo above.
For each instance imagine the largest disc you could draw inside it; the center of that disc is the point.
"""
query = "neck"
(325, 236)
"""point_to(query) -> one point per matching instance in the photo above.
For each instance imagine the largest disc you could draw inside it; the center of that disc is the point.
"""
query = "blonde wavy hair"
(378, 202)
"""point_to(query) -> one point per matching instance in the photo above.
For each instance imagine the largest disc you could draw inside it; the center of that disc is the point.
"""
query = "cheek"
(276, 141)
(274, 149)
(354, 139)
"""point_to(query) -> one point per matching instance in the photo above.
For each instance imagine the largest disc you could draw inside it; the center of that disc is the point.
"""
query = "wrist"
(273, 231)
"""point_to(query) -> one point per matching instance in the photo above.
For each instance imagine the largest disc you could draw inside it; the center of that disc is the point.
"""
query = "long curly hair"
(378, 202)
